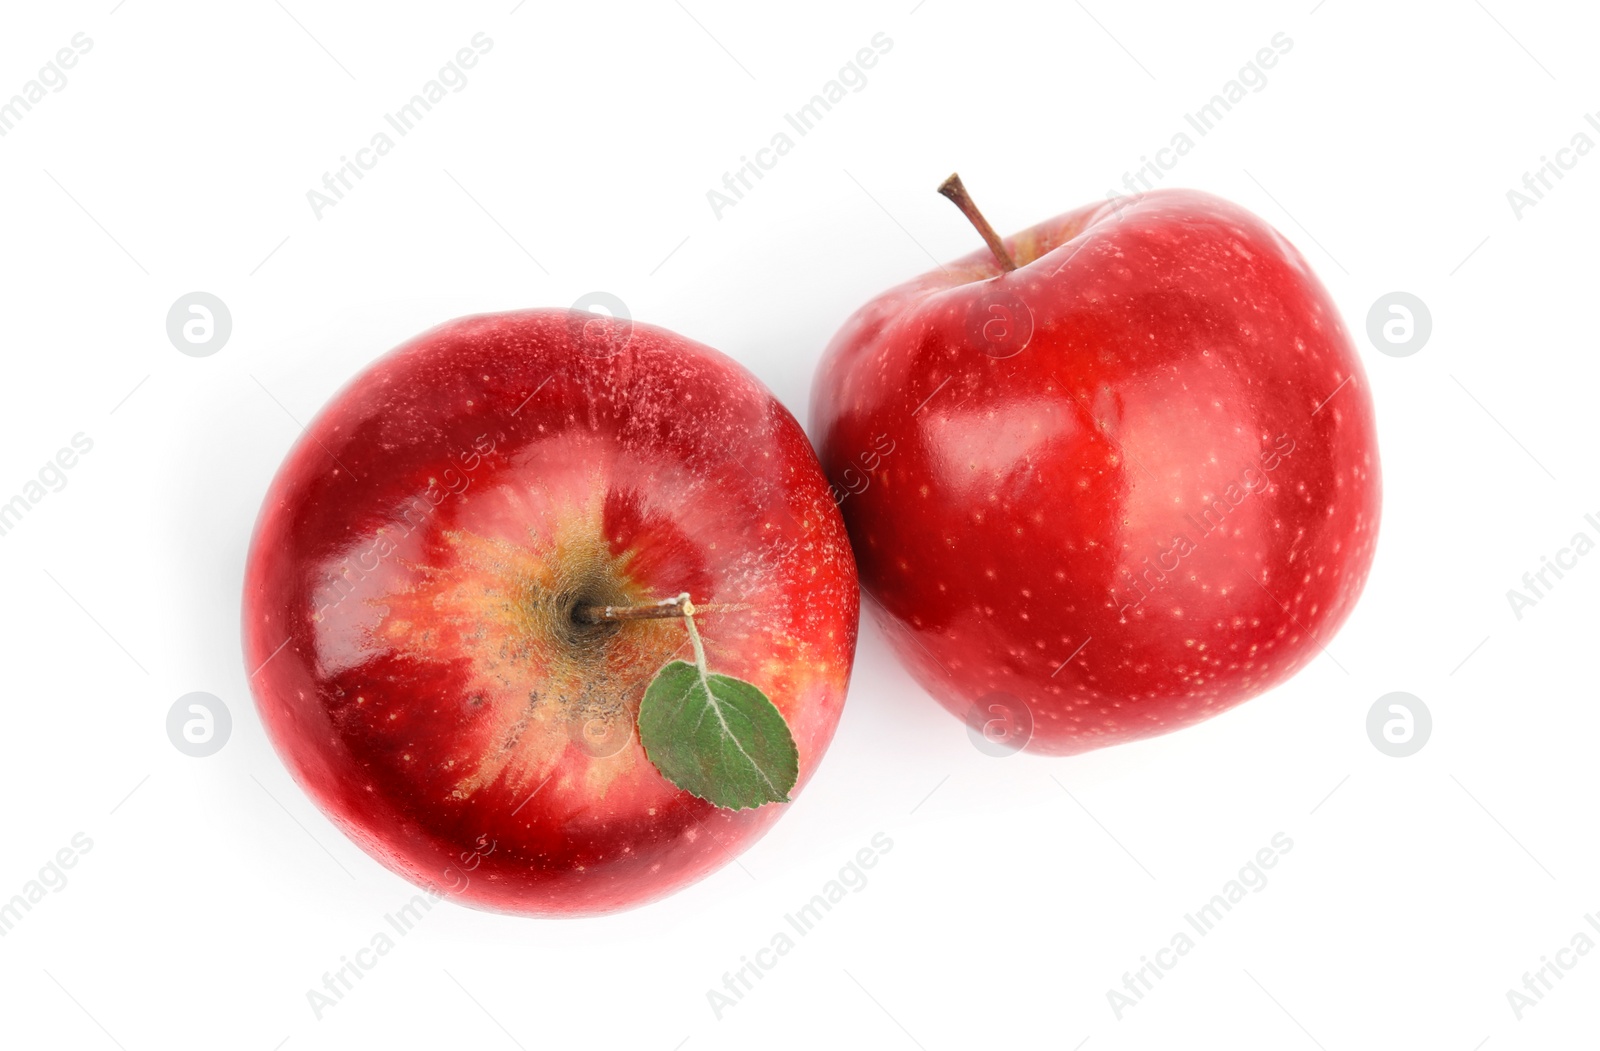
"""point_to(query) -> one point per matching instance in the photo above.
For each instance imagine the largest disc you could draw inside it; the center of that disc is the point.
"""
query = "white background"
(1019, 889)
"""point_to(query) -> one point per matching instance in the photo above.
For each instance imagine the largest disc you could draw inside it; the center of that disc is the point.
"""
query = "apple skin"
(409, 586)
(1030, 466)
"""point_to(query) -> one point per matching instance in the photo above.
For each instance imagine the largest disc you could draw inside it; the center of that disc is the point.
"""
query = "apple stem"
(668, 607)
(956, 192)
(694, 637)
(609, 614)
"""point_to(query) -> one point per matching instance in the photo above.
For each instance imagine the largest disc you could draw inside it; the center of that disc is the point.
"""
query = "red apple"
(425, 607)
(1112, 491)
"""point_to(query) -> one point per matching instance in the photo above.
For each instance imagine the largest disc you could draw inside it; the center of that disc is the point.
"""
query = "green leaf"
(718, 738)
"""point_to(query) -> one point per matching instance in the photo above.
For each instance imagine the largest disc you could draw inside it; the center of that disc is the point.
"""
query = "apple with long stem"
(1107, 477)
(551, 613)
